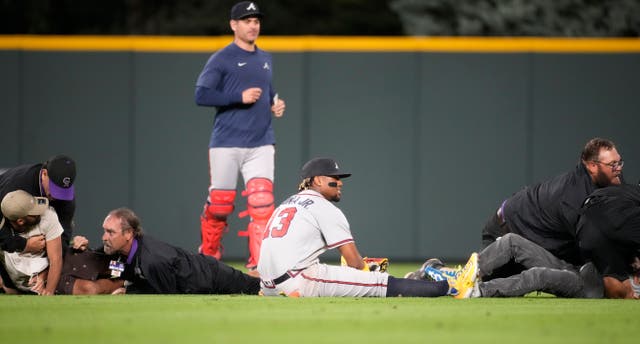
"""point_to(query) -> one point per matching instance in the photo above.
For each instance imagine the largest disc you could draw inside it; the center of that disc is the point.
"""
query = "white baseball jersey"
(22, 266)
(301, 229)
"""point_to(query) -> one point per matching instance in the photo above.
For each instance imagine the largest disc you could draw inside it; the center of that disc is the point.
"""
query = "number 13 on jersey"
(279, 224)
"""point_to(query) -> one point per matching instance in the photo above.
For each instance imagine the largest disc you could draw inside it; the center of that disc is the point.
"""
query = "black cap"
(245, 9)
(322, 167)
(62, 173)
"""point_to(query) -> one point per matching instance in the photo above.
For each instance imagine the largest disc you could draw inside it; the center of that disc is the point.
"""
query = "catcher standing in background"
(237, 81)
(307, 224)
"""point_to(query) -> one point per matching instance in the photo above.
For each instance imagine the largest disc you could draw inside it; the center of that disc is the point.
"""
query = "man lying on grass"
(514, 266)
(150, 266)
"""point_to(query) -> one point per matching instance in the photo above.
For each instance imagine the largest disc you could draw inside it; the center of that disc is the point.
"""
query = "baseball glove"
(371, 264)
(376, 264)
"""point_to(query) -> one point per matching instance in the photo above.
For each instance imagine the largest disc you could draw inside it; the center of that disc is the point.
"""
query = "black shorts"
(87, 265)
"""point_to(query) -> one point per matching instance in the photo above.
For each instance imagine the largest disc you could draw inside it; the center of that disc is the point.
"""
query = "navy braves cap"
(245, 9)
(322, 167)
(62, 173)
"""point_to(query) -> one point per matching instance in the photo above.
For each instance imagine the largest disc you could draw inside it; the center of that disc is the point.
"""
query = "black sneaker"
(420, 274)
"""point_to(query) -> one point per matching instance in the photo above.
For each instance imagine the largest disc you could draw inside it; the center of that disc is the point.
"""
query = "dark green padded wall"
(576, 97)
(80, 104)
(10, 81)
(434, 140)
(473, 131)
(361, 115)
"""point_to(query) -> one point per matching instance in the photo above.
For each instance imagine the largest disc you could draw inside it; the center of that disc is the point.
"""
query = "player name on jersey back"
(301, 200)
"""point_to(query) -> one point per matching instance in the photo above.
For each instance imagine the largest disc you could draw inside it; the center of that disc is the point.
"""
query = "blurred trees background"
(568, 18)
(564, 18)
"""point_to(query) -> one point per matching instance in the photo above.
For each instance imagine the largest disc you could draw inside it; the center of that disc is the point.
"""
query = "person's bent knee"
(512, 238)
(260, 200)
(220, 204)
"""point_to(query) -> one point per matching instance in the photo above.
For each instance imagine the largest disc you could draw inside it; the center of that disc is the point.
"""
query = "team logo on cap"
(251, 7)
(66, 181)
(337, 168)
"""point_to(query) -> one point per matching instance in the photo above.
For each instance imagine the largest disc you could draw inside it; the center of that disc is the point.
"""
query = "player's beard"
(28, 225)
(108, 249)
(601, 179)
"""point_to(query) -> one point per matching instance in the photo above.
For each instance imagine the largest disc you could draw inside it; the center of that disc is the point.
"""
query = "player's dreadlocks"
(305, 184)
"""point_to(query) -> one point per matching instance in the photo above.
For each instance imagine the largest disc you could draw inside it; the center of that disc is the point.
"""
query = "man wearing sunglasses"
(547, 213)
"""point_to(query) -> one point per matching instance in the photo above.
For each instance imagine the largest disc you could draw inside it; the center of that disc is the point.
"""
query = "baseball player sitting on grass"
(307, 224)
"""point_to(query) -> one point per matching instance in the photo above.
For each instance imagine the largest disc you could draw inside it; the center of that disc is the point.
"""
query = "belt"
(282, 278)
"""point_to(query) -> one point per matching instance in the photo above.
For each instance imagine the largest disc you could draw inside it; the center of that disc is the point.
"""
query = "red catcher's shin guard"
(256, 232)
(260, 206)
(212, 230)
(213, 221)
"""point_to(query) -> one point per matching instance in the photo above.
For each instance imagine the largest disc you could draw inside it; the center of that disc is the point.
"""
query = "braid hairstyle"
(305, 184)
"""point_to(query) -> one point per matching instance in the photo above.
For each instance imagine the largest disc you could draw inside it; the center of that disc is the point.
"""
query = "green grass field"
(244, 319)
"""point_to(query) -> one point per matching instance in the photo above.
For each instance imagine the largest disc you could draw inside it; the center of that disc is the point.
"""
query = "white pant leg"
(330, 280)
(224, 165)
(258, 163)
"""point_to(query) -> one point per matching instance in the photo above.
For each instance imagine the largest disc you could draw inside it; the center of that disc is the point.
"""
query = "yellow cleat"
(467, 278)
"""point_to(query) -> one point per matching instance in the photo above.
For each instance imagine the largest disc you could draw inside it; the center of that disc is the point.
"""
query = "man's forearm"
(54, 253)
(615, 289)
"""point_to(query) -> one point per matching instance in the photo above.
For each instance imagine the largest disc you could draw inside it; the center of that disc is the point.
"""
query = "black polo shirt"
(27, 178)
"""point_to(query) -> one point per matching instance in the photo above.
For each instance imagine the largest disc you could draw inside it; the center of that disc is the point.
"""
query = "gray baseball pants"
(540, 270)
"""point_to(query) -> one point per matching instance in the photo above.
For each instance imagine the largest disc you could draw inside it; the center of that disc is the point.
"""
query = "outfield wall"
(436, 131)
